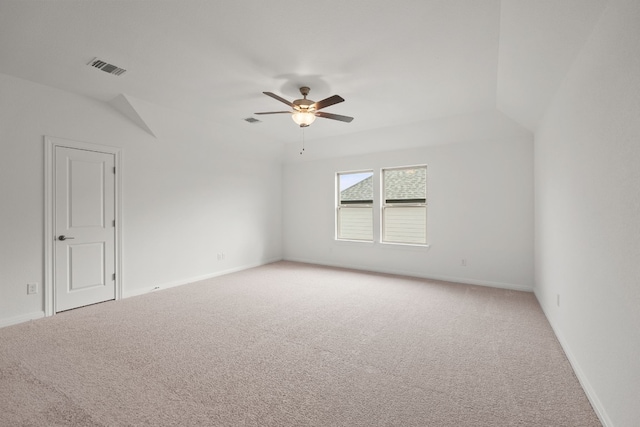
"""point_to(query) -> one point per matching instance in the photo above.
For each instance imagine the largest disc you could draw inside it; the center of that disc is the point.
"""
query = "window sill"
(384, 245)
(351, 242)
(406, 246)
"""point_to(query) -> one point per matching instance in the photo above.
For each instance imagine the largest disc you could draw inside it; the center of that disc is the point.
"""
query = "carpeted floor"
(291, 344)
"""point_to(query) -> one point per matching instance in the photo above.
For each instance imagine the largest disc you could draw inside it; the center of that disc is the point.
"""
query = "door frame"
(50, 144)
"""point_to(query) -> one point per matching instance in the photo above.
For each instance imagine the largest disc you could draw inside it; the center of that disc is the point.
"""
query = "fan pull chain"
(302, 151)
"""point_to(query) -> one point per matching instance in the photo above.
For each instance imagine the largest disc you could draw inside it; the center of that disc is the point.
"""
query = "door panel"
(84, 214)
(86, 195)
(91, 257)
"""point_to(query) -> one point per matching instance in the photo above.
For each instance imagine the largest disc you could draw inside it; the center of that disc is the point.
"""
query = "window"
(354, 214)
(404, 205)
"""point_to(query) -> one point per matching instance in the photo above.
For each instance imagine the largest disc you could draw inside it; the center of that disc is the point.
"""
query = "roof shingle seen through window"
(405, 184)
(400, 184)
(362, 190)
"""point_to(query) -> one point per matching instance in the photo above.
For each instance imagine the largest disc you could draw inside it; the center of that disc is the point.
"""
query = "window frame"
(395, 203)
(353, 205)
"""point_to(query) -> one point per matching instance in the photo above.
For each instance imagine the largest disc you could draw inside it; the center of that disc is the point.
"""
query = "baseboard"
(40, 314)
(20, 319)
(173, 284)
(463, 280)
(582, 378)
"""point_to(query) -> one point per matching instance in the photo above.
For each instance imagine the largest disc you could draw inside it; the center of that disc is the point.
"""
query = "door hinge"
(113, 276)
(114, 222)
(114, 170)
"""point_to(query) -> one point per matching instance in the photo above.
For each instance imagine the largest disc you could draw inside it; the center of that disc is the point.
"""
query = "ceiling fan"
(304, 111)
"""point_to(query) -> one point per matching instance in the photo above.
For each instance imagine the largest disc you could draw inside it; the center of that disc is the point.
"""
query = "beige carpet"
(291, 344)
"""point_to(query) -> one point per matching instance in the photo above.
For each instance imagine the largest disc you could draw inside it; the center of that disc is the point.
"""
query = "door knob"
(63, 237)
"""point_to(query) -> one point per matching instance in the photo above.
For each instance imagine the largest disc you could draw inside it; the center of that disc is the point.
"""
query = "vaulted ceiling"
(395, 63)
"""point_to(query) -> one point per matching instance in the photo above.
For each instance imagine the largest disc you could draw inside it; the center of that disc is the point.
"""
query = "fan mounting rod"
(304, 104)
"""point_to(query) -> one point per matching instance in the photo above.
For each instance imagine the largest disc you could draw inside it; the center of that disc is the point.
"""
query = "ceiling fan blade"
(275, 112)
(334, 117)
(328, 101)
(279, 98)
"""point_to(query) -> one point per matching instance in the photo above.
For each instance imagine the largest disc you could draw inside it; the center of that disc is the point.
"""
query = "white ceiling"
(395, 63)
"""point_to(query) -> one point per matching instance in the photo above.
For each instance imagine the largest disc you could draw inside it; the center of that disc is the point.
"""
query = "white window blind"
(355, 223)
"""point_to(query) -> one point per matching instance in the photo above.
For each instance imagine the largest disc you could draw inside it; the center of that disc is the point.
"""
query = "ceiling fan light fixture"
(305, 110)
(303, 118)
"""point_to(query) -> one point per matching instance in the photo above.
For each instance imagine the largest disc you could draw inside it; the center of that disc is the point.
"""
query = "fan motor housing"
(303, 104)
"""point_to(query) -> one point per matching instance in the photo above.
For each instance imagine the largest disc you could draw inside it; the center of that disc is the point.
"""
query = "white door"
(84, 249)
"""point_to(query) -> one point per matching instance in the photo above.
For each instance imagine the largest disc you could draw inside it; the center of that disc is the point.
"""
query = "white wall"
(587, 157)
(480, 197)
(195, 191)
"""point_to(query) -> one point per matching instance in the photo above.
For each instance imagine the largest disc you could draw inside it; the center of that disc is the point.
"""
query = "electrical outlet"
(463, 262)
(220, 256)
(32, 288)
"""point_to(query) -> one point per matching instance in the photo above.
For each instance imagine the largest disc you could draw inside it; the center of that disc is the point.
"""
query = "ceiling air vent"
(106, 67)
(251, 120)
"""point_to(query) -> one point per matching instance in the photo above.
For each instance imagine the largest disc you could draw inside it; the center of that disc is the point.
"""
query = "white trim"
(338, 205)
(194, 279)
(462, 280)
(386, 245)
(21, 318)
(598, 407)
(47, 285)
(50, 143)
(384, 205)
(352, 241)
(405, 246)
